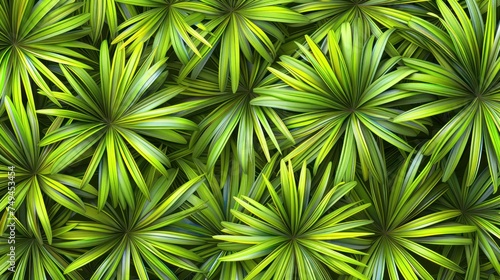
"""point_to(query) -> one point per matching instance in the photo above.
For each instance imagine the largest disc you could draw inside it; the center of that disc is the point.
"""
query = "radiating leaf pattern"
(113, 117)
(479, 208)
(142, 238)
(345, 95)
(19, 145)
(219, 192)
(376, 15)
(299, 233)
(32, 33)
(40, 259)
(233, 114)
(465, 82)
(239, 27)
(249, 139)
(403, 228)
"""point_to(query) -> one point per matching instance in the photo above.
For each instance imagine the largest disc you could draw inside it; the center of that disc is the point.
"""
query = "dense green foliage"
(250, 139)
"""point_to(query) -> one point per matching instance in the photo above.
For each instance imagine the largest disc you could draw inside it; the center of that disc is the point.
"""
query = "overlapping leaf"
(226, 181)
(231, 115)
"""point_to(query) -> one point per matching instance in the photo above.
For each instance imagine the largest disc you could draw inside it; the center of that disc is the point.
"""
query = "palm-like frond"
(240, 27)
(170, 22)
(300, 233)
(345, 91)
(374, 14)
(226, 181)
(34, 176)
(38, 258)
(33, 33)
(231, 115)
(141, 237)
(225, 163)
(402, 228)
(102, 13)
(111, 117)
(480, 208)
(466, 82)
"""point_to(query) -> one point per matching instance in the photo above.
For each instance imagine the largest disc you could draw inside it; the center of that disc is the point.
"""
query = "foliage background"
(250, 139)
